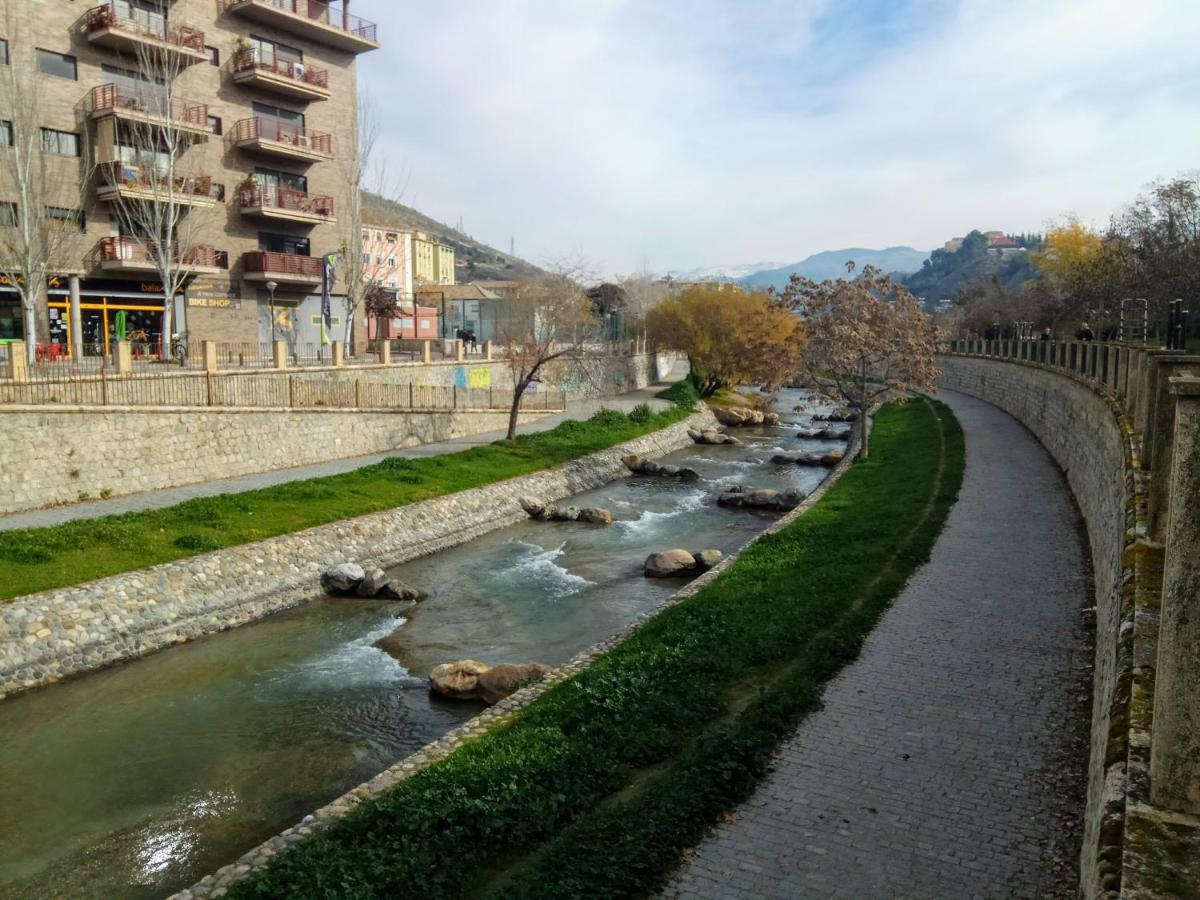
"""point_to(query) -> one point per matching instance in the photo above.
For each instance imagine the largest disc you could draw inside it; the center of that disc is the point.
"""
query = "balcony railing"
(136, 250)
(333, 16)
(151, 102)
(286, 199)
(305, 267)
(164, 187)
(263, 129)
(251, 60)
(144, 24)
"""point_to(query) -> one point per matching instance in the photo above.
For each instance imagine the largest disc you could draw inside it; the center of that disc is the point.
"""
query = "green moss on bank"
(38, 559)
(596, 788)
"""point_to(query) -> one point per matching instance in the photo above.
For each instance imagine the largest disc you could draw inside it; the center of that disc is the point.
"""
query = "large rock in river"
(458, 680)
(669, 563)
(594, 515)
(342, 579)
(706, 559)
(500, 681)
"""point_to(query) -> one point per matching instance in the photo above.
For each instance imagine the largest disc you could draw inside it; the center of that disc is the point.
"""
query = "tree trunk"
(164, 343)
(29, 306)
(864, 449)
(515, 409)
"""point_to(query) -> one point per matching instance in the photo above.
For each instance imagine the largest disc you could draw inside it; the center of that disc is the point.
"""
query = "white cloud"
(722, 131)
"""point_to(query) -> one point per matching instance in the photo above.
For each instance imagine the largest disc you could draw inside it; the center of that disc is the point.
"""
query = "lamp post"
(271, 285)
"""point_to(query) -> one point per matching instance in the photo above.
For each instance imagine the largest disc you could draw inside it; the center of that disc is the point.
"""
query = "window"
(283, 243)
(59, 65)
(378, 260)
(214, 55)
(366, 236)
(279, 57)
(3, 52)
(8, 213)
(426, 324)
(391, 282)
(67, 219)
(214, 122)
(286, 119)
(271, 180)
(392, 262)
(391, 237)
(6, 133)
(60, 143)
(366, 259)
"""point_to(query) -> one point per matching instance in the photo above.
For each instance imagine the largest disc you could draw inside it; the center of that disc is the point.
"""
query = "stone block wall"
(1086, 434)
(56, 454)
(54, 634)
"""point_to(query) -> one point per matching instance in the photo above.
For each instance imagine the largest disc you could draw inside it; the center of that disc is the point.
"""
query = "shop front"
(114, 310)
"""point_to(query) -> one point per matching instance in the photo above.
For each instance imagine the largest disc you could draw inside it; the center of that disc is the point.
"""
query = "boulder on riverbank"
(351, 579)
(823, 434)
(706, 559)
(780, 501)
(669, 563)
(838, 415)
(640, 466)
(470, 679)
(712, 436)
(548, 512)
(828, 460)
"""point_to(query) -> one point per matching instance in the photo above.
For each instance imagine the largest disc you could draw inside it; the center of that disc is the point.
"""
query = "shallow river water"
(138, 780)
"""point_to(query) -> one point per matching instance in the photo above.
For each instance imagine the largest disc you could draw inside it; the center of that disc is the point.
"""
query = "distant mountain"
(832, 264)
(724, 273)
(473, 260)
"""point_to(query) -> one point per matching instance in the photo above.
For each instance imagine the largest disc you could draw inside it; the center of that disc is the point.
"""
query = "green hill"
(948, 273)
(474, 260)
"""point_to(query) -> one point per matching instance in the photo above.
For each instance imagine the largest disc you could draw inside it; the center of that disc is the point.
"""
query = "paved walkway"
(936, 766)
(576, 409)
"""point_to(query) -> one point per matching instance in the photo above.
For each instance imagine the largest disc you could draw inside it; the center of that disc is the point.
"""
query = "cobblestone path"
(949, 759)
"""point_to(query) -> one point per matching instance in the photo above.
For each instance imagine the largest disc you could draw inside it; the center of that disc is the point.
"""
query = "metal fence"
(62, 384)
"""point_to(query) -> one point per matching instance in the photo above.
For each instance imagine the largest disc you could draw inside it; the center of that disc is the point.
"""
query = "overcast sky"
(686, 133)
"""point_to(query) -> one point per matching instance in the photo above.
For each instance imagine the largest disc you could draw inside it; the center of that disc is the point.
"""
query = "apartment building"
(263, 93)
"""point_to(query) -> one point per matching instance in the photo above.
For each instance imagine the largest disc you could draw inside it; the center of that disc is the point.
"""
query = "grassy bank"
(596, 788)
(37, 559)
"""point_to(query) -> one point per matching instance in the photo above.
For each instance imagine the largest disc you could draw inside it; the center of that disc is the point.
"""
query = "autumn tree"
(730, 337)
(545, 320)
(867, 340)
(1085, 274)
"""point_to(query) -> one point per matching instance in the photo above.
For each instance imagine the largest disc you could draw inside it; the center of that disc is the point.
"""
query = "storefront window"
(10, 319)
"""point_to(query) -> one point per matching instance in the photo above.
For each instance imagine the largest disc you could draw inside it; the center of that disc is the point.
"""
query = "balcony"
(277, 138)
(285, 205)
(136, 32)
(139, 257)
(320, 22)
(280, 76)
(286, 268)
(128, 181)
(149, 107)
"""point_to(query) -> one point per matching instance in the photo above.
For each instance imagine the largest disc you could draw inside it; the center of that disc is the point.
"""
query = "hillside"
(947, 273)
(474, 260)
(832, 264)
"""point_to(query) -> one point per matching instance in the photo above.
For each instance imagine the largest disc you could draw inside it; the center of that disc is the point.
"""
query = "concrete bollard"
(1175, 750)
(279, 354)
(385, 353)
(487, 349)
(460, 351)
(123, 357)
(339, 354)
(17, 367)
(208, 351)
(426, 352)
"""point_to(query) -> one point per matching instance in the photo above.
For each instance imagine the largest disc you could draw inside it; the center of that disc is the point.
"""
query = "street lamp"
(271, 285)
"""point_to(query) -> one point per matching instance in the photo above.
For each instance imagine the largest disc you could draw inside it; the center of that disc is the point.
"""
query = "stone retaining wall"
(216, 884)
(1090, 438)
(52, 635)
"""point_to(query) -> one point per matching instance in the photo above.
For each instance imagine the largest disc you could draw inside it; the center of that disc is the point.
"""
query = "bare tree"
(149, 161)
(40, 203)
(547, 320)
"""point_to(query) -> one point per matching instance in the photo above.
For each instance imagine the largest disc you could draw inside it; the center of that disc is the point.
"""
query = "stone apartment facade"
(268, 91)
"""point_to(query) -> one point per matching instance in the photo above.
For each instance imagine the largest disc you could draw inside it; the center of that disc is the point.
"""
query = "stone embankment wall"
(67, 453)
(1089, 438)
(48, 636)
(56, 454)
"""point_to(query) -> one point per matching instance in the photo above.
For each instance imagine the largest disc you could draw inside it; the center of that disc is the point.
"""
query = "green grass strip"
(37, 559)
(595, 789)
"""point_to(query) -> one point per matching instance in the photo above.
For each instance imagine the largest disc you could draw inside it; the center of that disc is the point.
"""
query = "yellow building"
(433, 262)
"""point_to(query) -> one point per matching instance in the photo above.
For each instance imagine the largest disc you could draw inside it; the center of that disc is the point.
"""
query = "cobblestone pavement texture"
(925, 772)
(576, 409)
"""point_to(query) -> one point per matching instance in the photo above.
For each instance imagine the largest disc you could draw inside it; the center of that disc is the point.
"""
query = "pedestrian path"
(942, 762)
(576, 409)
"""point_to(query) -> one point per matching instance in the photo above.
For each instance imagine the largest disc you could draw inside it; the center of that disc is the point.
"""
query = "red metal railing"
(149, 101)
(334, 16)
(141, 177)
(282, 133)
(129, 249)
(286, 198)
(137, 22)
(282, 263)
(251, 59)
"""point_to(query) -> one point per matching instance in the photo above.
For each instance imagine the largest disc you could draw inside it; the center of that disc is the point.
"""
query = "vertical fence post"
(487, 349)
(357, 393)
(291, 390)
(385, 353)
(208, 391)
(339, 354)
(411, 405)
(279, 350)
(104, 383)
(123, 357)
(426, 352)
(209, 352)
(18, 365)
(454, 396)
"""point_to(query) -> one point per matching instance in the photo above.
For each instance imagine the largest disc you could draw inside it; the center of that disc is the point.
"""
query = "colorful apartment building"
(265, 91)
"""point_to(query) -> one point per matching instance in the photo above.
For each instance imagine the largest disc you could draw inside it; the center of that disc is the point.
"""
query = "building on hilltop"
(207, 139)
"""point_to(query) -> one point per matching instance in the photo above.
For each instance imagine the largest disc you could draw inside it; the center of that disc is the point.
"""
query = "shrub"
(641, 414)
